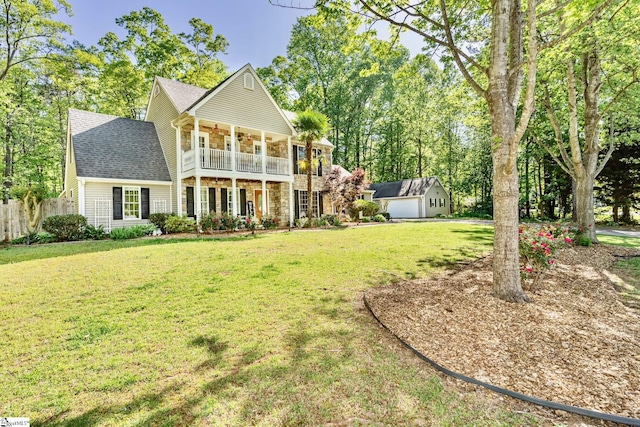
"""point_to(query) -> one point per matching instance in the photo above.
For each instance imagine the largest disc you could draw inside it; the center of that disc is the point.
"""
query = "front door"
(258, 199)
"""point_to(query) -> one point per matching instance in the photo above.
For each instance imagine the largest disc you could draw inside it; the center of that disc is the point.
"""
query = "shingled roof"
(405, 188)
(117, 148)
(182, 95)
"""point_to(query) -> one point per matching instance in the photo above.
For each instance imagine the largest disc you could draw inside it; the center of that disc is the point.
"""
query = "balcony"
(221, 160)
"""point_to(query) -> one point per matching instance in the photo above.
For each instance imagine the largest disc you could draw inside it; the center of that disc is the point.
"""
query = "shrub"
(160, 220)
(132, 232)
(95, 233)
(180, 224)
(367, 207)
(301, 222)
(270, 221)
(332, 219)
(386, 215)
(44, 237)
(538, 247)
(379, 218)
(583, 240)
(320, 222)
(248, 223)
(65, 227)
(366, 219)
(228, 222)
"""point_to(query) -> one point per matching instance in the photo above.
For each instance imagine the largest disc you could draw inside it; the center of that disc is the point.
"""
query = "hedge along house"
(412, 198)
(230, 149)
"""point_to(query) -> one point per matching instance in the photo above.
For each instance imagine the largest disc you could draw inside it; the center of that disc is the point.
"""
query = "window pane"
(204, 200)
(131, 203)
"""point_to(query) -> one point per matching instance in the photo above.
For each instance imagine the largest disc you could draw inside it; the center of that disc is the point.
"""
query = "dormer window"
(248, 81)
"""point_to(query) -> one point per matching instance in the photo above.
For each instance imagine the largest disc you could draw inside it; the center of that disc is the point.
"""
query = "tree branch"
(609, 152)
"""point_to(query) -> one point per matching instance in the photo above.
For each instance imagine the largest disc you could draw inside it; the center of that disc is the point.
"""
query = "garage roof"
(405, 188)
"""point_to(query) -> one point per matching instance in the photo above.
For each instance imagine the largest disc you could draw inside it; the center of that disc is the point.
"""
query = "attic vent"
(248, 81)
(156, 91)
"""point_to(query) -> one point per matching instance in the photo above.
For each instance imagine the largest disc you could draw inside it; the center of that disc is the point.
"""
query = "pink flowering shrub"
(539, 245)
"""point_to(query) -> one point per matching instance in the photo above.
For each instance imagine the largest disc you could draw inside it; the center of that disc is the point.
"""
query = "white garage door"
(404, 208)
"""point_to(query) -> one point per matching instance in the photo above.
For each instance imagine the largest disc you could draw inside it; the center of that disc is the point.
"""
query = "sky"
(256, 31)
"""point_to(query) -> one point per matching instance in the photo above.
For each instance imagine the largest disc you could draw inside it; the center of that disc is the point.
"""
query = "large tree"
(494, 46)
(594, 72)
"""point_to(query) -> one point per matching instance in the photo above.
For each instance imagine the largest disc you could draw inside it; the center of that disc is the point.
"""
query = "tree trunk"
(309, 148)
(584, 206)
(615, 211)
(506, 254)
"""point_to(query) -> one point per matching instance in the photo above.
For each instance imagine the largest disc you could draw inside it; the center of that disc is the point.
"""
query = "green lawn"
(265, 330)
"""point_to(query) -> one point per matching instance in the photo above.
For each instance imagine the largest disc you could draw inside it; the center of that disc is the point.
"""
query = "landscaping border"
(536, 401)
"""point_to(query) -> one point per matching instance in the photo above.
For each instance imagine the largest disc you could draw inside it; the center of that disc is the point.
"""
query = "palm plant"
(311, 126)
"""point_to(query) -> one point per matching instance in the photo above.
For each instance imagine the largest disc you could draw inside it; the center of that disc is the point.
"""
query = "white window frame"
(257, 148)
(227, 144)
(229, 201)
(204, 200)
(315, 154)
(203, 135)
(125, 203)
(249, 81)
(156, 91)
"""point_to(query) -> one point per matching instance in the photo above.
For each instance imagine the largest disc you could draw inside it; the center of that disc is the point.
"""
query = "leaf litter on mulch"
(576, 343)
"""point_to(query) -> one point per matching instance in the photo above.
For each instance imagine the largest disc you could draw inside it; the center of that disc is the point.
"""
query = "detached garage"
(412, 198)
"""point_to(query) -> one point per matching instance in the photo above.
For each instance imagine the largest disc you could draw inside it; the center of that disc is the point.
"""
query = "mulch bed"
(576, 343)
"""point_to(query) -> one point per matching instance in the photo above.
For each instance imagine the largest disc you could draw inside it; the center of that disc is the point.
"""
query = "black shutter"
(319, 162)
(243, 201)
(320, 205)
(144, 203)
(117, 202)
(190, 208)
(224, 200)
(296, 200)
(295, 160)
(212, 200)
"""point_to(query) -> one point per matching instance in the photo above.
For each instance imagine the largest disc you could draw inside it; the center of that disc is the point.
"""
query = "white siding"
(104, 191)
(247, 108)
(436, 193)
(161, 113)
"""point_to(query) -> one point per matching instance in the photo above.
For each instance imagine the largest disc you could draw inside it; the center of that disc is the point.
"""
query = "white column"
(264, 197)
(196, 135)
(198, 198)
(81, 207)
(263, 152)
(178, 172)
(234, 191)
(290, 155)
(291, 205)
(233, 149)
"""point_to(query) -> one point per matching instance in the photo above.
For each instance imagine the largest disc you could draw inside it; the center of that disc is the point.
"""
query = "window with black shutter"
(144, 200)
(296, 169)
(296, 199)
(190, 203)
(243, 201)
(117, 202)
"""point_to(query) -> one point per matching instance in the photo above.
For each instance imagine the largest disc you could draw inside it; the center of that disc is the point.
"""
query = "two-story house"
(226, 149)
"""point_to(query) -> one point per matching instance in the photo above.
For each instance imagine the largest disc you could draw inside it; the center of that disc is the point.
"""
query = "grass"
(265, 330)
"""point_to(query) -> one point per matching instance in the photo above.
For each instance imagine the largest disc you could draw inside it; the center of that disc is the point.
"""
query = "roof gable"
(404, 188)
(182, 95)
(232, 102)
(117, 148)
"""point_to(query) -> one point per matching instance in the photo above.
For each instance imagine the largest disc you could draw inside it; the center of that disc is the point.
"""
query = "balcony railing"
(213, 159)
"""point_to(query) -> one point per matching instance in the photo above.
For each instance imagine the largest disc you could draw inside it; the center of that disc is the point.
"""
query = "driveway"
(620, 232)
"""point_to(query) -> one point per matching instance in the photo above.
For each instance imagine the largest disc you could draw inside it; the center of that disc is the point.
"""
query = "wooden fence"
(13, 221)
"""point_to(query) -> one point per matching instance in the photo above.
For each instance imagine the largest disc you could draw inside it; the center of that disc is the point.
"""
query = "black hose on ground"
(546, 403)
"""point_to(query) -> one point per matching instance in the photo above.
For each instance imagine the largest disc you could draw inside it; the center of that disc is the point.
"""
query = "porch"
(222, 160)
